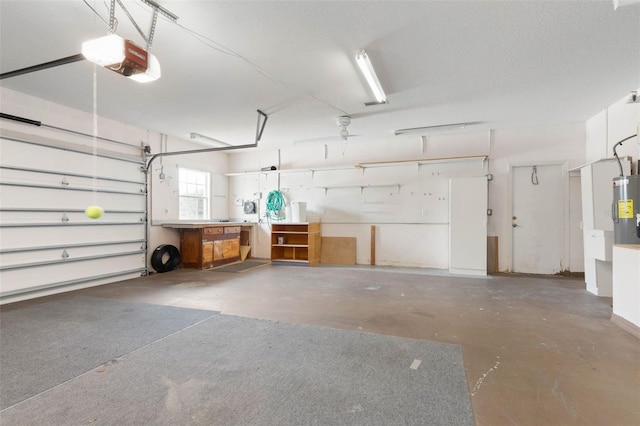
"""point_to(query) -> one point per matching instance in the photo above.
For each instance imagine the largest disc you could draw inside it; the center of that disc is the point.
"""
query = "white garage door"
(47, 243)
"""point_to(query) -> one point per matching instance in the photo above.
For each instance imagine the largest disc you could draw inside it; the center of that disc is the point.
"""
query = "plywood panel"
(338, 250)
(492, 255)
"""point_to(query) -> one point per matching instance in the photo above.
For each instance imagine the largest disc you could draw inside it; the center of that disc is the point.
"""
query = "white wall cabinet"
(468, 226)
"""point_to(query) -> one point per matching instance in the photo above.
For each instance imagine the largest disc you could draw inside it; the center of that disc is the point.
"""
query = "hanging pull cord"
(534, 175)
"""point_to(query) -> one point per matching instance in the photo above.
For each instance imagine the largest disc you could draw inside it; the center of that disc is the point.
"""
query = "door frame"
(566, 232)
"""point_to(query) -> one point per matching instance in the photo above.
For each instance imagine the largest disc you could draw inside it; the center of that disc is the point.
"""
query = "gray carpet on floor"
(47, 344)
(237, 371)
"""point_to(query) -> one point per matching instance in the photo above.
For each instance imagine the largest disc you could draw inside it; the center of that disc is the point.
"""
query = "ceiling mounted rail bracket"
(112, 17)
(156, 8)
(260, 128)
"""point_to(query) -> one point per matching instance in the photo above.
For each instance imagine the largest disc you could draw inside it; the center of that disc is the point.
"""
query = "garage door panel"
(68, 218)
(35, 198)
(16, 280)
(70, 182)
(35, 156)
(16, 257)
(32, 237)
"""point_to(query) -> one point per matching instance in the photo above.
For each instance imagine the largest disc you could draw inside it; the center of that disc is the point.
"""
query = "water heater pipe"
(616, 154)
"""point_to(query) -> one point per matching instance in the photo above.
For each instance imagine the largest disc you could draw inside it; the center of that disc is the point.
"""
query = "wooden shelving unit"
(297, 243)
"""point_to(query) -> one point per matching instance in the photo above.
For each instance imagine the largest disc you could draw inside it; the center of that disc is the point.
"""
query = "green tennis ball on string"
(94, 212)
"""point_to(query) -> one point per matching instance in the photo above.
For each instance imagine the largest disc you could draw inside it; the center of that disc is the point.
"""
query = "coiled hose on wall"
(275, 203)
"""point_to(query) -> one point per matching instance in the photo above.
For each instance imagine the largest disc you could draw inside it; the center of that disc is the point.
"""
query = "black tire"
(173, 259)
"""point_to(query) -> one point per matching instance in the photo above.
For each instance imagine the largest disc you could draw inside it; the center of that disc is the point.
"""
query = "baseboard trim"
(626, 325)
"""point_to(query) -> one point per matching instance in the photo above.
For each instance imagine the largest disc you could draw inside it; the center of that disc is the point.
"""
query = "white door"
(468, 226)
(538, 206)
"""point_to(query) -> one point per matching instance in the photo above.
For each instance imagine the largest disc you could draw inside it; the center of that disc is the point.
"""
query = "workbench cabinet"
(209, 246)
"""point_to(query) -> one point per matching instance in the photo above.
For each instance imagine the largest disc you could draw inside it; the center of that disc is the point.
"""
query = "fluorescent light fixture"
(429, 129)
(122, 56)
(370, 75)
(207, 141)
(620, 3)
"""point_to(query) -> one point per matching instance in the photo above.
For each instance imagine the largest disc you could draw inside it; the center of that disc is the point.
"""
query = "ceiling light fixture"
(122, 56)
(343, 122)
(207, 141)
(428, 129)
(370, 75)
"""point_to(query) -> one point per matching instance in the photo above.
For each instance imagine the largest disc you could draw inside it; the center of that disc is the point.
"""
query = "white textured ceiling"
(505, 64)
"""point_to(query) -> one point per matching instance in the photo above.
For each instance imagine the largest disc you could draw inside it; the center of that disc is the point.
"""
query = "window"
(194, 194)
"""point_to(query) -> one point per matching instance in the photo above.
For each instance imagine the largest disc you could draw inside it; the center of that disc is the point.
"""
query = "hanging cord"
(94, 158)
(616, 154)
(534, 175)
(275, 203)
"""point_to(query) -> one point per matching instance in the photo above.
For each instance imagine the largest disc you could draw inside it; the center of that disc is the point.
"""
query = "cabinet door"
(231, 248)
(190, 248)
(207, 252)
(217, 250)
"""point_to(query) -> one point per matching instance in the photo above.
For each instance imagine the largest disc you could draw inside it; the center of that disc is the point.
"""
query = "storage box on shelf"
(296, 243)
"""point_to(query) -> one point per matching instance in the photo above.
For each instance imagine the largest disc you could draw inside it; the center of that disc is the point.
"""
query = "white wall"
(609, 126)
(413, 221)
(560, 144)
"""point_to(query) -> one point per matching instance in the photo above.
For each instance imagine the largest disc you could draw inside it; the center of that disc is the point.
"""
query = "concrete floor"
(537, 350)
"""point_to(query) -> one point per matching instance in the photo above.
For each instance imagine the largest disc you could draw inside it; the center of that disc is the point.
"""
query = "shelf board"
(305, 170)
(423, 161)
(418, 162)
(288, 260)
(578, 168)
(290, 232)
(362, 187)
(291, 245)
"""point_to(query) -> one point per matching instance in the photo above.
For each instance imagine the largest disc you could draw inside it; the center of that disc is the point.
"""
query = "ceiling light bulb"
(105, 50)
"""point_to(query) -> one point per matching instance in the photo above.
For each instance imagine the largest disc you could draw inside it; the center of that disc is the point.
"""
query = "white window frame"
(194, 194)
